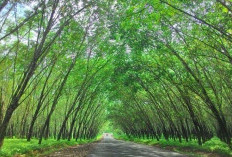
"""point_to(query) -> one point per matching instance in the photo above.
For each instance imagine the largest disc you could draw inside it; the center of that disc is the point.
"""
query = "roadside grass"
(213, 147)
(17, 147)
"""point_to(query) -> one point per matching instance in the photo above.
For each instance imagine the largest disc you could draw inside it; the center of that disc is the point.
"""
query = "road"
(109, 147)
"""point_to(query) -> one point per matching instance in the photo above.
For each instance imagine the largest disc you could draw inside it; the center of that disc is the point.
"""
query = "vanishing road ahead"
(109, 147)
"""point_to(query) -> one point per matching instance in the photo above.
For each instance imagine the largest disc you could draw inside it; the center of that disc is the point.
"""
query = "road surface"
(109, 147)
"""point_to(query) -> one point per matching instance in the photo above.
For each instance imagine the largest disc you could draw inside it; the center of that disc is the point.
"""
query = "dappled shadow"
(74, 151)
(110, 147)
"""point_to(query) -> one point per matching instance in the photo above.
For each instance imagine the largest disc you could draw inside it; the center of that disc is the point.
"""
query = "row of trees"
(160, 67)
(176, 61)
(51, 69)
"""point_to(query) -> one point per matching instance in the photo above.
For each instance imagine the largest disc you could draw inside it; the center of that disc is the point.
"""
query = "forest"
(153, 68)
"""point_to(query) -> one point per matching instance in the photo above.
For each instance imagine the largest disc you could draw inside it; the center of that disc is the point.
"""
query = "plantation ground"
(17, 147)
(51, 147)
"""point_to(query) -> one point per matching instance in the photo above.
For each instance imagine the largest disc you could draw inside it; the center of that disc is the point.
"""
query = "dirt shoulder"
(73, 151)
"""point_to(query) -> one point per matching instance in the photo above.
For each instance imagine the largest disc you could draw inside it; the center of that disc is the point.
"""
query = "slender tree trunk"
(5, 123)
(1, 105)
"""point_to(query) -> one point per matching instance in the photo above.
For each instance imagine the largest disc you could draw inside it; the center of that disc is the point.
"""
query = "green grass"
(214, 146)
(13, 147)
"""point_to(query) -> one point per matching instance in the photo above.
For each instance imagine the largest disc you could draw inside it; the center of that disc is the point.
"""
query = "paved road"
(109, 147)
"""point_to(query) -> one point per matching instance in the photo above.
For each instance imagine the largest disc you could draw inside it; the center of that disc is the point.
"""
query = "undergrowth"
(13, 147)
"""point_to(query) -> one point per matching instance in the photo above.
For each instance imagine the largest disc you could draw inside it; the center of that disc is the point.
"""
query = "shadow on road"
(109, 147)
